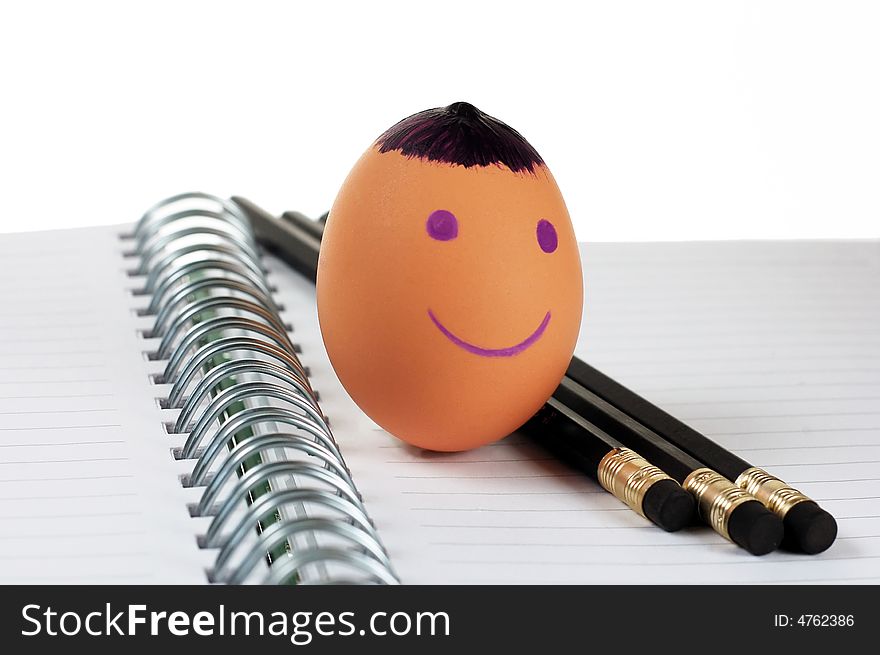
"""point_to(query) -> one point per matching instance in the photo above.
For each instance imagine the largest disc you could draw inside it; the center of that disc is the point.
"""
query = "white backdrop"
(672, 120)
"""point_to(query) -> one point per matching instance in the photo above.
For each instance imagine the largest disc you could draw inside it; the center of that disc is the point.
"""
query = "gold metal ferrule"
(716, 496)
(776, 495)
(628, 476)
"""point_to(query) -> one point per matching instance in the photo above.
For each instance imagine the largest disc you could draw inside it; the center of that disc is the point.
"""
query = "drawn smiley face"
(442, 225)
(449, 296)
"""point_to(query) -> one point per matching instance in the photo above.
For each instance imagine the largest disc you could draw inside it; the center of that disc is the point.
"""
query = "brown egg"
(449, 281)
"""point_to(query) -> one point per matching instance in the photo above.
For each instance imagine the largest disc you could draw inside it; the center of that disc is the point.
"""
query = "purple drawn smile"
(510, 351)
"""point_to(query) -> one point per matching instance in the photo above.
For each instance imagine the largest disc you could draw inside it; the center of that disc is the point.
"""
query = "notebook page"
(772, 349)
(89, 491)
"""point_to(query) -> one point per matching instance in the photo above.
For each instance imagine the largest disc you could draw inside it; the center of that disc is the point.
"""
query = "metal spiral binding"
(275, 484)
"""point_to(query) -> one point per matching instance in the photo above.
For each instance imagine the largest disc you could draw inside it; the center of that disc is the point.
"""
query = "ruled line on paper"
(63, 461)
(89, 578)
(465, 526)
(840, 463)
(64, 396)
(81, 311)
(72, 535)
(470, 461)
(70, 478)
(739, 401)
(55, 381)
(489, 477)
(578, 544)
(759, 416)
(508, 510)
(53, 354)
(103, 495)
(75, 556)
(758, 371)
(44, 340)
(504, 493)
(50, 412)
(798, 431)
(837, 580)
(50, 367)
(18, 326)
(503, 562)
(71, 515)
(62, 427)
(797, 357)
(55, 444)
(831, 446)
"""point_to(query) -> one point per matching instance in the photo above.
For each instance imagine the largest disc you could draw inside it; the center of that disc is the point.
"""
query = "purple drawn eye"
(547, 238)
(442, 225)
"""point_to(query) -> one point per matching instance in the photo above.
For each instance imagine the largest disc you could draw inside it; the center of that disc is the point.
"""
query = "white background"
(672, 120)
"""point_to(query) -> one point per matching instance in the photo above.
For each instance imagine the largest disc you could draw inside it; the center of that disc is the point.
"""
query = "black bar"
(510, 619)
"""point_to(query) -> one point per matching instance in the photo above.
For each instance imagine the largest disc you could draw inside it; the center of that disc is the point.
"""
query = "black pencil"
(643, 487)
(726, 508)
(808, 527)
(619, 470)
(289, 240)
(315, 228)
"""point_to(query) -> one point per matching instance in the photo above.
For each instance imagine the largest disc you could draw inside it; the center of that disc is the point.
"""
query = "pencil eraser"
(669, 506)
(449, 282)
(808, 528)
(755, 528)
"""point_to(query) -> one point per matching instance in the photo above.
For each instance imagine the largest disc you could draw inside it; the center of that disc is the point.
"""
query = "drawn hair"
(460, 134)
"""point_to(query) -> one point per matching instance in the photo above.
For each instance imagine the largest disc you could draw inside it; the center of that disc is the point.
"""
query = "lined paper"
(770, 348)
(88, 487)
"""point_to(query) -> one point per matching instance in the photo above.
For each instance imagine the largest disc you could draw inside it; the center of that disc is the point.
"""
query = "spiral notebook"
(157, 424)
(168, 414)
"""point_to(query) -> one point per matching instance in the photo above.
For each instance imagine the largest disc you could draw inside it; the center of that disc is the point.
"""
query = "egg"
(449, 281)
